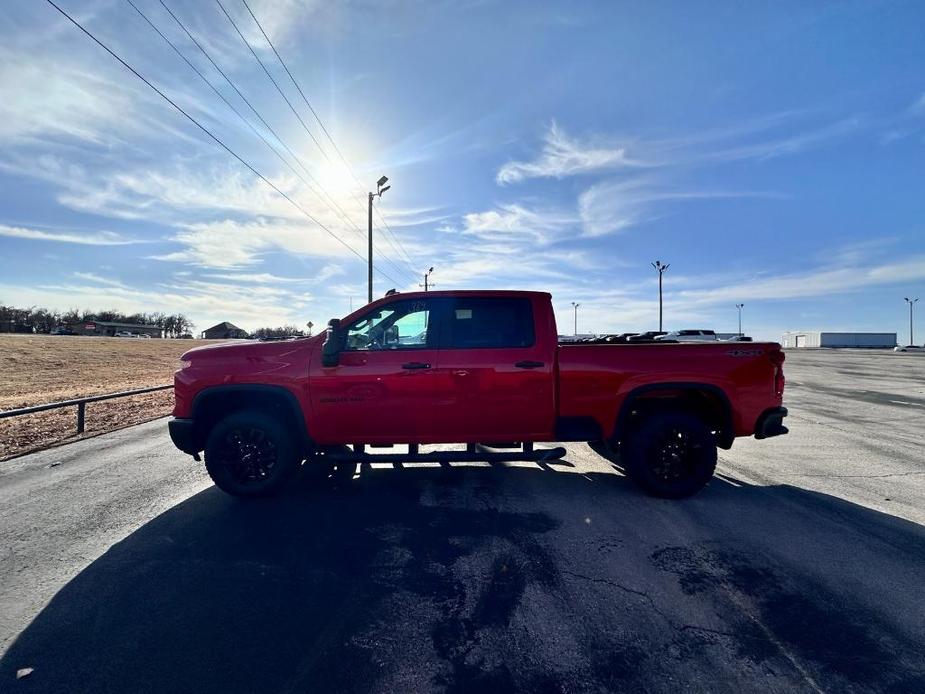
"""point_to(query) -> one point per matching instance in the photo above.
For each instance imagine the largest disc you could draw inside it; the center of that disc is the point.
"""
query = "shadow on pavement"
(358, 588)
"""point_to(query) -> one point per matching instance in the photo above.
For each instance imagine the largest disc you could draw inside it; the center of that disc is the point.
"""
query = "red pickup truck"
(481, 368)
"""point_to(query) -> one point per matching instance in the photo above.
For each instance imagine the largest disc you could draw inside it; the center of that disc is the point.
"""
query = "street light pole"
(739, 306)
(575, 306)
(369, 275)
(426, 284)
(661, 271)
(911, 303)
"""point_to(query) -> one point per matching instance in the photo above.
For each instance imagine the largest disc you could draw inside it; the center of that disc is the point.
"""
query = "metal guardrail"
(81, 404)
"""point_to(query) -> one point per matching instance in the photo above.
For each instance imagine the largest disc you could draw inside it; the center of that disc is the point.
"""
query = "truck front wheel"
(249, 454)
(672, 455)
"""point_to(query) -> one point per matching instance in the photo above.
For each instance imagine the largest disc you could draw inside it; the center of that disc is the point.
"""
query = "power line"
(291, 108)
(327, 134)
(299, 89)
(220, 95)
(281, 93)
(296, 113)
(207, 132)
(395, 236)
(323, 194)
(256, 113)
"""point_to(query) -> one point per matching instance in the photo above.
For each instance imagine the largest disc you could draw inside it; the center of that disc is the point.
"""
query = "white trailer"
(818, 338)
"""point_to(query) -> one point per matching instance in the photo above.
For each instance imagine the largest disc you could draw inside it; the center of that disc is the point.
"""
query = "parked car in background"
(646, 336)
(123, 333)
(737, 338)
(689, 336)
(622, 337)
(909, 348)
(62, 330)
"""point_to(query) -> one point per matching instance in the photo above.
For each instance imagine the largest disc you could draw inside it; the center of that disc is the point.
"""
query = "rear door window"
(487, 322)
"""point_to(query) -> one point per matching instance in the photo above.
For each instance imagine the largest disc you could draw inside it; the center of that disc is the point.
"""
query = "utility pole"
(739, 306)
(378, 194)
(911, 303)
(426, 285)
(575, 306)
(661, 271)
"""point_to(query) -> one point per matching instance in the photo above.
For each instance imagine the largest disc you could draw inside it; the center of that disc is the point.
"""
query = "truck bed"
(595, 379)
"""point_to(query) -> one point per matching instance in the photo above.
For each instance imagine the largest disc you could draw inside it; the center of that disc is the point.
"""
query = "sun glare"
(337, 181)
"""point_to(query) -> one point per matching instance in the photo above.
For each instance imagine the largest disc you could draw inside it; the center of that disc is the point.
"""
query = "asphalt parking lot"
(801, 567)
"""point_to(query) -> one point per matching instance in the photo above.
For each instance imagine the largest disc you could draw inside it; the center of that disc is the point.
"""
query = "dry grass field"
(43, 368)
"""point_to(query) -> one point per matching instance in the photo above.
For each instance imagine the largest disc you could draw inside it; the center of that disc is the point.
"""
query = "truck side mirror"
(333, 344)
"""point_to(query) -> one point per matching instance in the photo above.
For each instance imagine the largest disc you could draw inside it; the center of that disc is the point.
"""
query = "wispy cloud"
(86, 238)
(612, 206)
(818, 282)
(92, 277)
(325, 273)
(783, 146)
(256, 278)
(563, 156)
(513, 221)
(410, 217)
(60, 100)
(917, 107)
(231, 244)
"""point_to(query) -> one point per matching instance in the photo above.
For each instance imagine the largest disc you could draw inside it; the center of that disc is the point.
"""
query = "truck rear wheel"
(672, 455)
(249, 454)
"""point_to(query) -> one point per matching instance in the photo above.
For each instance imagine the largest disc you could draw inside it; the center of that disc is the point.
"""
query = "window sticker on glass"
(463, 313)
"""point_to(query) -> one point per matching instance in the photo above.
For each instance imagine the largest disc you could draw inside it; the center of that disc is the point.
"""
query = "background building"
(224, 331)
(101, 328)
(816, 338)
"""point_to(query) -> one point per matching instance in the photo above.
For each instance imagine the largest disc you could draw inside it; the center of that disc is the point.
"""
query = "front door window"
(402, 325)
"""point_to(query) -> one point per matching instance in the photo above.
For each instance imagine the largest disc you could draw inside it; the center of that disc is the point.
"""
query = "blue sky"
(773, 153)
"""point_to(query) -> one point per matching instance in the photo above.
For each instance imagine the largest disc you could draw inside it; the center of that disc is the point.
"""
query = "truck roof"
(469, 292)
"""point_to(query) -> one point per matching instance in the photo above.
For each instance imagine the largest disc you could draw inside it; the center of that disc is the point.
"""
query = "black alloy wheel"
(672, 455)
(249, 454)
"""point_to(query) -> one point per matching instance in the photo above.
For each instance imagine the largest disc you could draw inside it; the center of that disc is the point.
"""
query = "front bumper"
(771, 423)
(181, 433)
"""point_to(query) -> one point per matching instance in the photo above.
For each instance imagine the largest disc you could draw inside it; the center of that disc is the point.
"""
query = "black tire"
(672, 455)
(250, 454)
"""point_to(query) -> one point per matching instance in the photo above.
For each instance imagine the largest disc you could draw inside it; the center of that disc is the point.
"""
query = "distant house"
(224, 331)
(102, 328)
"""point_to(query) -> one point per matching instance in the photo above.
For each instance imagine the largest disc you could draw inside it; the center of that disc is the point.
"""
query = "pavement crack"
(892, 474)
(650, 602)
(609, 582)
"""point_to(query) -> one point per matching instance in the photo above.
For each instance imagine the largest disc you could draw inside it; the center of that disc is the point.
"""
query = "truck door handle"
(528, 364)
(415, 365)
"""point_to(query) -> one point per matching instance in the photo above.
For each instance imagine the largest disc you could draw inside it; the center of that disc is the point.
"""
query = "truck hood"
(250, 349)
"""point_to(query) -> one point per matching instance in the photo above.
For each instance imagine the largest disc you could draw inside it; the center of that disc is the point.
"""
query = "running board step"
(479, 455)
